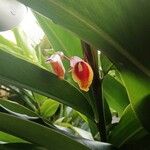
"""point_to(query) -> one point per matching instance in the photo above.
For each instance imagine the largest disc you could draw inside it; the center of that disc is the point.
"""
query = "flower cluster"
(82, 72)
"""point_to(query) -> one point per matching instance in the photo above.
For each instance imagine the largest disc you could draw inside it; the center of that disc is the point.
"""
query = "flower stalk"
(90, 56)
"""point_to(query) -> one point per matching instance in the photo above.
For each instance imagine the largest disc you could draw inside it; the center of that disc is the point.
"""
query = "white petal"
(74, 60)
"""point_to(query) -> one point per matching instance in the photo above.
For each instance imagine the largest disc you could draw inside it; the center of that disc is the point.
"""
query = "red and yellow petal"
(82, 73)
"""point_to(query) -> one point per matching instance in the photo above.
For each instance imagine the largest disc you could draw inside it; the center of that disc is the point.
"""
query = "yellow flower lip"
(82, 73)
(57, 65)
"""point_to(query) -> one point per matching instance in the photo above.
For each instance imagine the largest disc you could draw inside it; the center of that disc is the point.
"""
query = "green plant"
(51, 113)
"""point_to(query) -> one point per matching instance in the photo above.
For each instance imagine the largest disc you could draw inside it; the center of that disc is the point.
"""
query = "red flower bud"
(57, 65)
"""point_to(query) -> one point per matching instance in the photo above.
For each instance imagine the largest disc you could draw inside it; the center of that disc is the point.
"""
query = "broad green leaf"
(118, 28)
(19, 146)
(4, 137)
(17, 108)
(74, 130)
(10, 44)
(129, 128)
(39, 98)
(115, 94)
(138, 89)
(141, 144)
(24, 74)
(48, 108)
(9, 49)
(46, 137)
(60, 38)
(83, 133)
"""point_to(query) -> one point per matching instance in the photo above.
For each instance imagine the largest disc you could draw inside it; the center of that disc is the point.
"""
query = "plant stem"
(90, 56)
(100, 107)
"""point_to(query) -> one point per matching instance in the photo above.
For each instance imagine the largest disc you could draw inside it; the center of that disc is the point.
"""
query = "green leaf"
(93, 129)
(16, 108)
(138, 89)
(46, 137)
(115, 94)
(106, 64)
(23, 43)
(10, 44)
(39, 98)
(129, 128)
(19, 146)
(141, 144)
(108, 116)
(22, 112)
(48, 108)
(83, 133)
(24, 74)
(60, 38)
(118, 28)
(4, 137)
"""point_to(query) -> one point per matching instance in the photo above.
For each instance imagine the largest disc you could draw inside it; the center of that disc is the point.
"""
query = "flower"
(57, 65)
(82, 73)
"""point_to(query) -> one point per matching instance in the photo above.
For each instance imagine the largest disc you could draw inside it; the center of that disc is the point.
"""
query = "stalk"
(91, 57)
